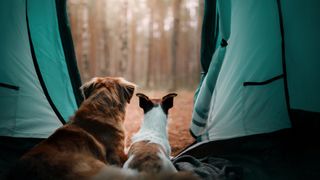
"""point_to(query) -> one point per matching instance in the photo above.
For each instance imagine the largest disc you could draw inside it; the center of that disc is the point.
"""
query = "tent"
(261, 68)
(39, 79)
(257, 108)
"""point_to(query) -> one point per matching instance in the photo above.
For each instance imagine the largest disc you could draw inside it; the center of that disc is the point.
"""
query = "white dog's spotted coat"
(150, 145)
(154, 129)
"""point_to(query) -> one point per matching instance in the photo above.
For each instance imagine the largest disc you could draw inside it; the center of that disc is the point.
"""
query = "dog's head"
(147, 104)
(113, 89)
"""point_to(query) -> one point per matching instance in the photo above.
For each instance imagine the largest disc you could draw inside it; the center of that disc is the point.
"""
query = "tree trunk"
(123, 36)
(175, 42)
(133, 45)
(150, 46)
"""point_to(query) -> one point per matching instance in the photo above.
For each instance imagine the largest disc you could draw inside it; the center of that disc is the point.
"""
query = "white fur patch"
(167, 165)
(154, 129)
(126, 164)
(111, 172)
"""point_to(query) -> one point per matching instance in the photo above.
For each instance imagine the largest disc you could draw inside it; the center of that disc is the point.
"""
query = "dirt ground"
(179, 119)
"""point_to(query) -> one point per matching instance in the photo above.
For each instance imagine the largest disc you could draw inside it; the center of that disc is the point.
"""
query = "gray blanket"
(209, 168)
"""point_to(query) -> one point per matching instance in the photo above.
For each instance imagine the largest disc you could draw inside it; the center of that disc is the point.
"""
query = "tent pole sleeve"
(208, 34)
(37, 69)
(68, 48)
(284, 67)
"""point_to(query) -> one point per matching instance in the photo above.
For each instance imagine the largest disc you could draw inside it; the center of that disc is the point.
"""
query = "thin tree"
(123, 36)
(150, 45)
(133, 44)
(175, 42)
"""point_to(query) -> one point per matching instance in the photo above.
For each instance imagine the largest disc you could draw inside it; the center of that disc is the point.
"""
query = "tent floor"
(283, 154)
(280, 155)
(11, 149)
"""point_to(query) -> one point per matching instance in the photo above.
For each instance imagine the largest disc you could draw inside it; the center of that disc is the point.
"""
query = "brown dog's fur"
(93, 139)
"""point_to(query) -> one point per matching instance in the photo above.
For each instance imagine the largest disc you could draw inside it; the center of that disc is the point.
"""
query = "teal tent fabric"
(68, 47)
(209, 45)
(36, 93)
(49, 53)
(301, 35)
(264, 67)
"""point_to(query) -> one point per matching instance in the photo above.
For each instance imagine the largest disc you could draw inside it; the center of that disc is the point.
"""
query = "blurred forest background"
(154, 43)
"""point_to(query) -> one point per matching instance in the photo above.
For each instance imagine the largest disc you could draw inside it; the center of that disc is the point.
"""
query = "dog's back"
(150, 147)
(69, 153)
(39, 168)
(92, 139)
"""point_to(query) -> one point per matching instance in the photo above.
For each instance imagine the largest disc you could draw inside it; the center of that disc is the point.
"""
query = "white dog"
(150, 148)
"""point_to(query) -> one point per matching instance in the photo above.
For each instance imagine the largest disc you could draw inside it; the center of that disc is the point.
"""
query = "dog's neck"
(104, 121)
(154, 129)
(106, 109)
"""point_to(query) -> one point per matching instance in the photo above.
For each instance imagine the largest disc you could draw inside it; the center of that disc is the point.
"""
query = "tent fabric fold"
(36, 93)
(261, 71)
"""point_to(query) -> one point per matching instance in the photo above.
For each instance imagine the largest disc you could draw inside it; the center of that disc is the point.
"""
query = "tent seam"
(285, 80)
(38, 72)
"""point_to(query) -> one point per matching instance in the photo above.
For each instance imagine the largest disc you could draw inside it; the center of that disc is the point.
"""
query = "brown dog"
(93, 139)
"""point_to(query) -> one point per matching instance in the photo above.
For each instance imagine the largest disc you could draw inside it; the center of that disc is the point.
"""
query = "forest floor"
(179, 119)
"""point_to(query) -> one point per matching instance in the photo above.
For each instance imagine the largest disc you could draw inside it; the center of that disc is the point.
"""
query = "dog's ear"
(144, 102)
(128, 89)
(167, 102)
(88, 87)
(128, 92)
